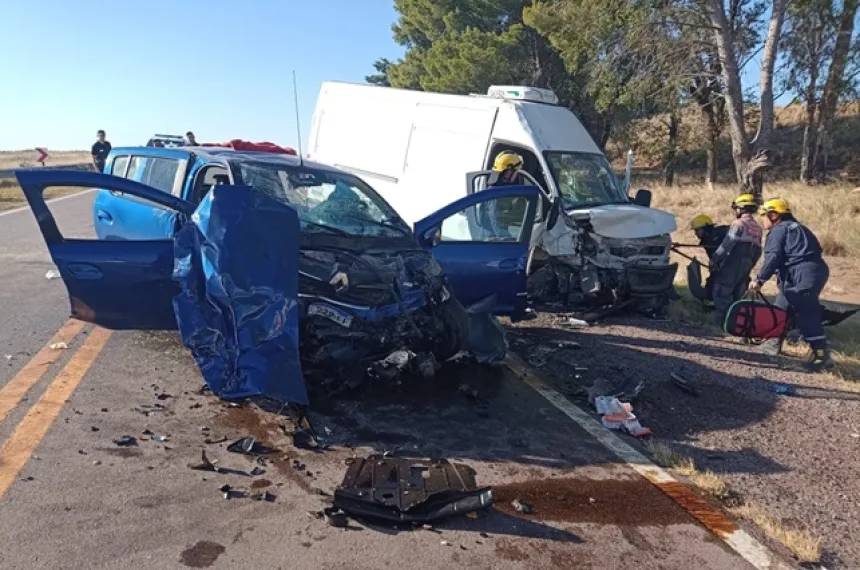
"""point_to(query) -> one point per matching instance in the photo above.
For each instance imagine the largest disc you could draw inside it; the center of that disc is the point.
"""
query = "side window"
(160, 173)
(497, 220)
(118, 166)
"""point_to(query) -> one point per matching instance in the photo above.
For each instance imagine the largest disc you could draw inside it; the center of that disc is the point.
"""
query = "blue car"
(368, 284)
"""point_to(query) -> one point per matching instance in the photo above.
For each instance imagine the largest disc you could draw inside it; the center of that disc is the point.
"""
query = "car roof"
(228, 154)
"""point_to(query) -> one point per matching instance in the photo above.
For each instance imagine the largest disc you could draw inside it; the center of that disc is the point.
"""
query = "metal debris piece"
(159, 438)
(684, 384)
(59, 346)
(334, 516)
(521, 507)
(257, 471)
(205, 464)
(263, 496)
(125, 441)
(400, 489)
(226, 490)
(249, 446)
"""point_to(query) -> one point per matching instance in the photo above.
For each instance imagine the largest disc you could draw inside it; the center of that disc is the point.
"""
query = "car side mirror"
(431, 237)
(643, 198)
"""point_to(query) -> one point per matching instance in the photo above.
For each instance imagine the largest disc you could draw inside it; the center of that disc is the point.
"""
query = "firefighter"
(736, 256)
(793, 254)
(506, 172)
(506, 169)
(710, 236)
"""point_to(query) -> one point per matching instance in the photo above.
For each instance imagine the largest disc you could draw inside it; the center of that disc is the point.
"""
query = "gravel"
(794, 456)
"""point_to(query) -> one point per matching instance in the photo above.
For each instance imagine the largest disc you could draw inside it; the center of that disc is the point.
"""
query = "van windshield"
(585, 180)
(326, 201)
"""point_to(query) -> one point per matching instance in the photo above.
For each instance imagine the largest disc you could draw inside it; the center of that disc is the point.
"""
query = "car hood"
(628, 221)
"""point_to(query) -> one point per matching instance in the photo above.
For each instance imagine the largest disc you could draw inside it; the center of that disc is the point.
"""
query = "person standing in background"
(190, 139)
(100, 151)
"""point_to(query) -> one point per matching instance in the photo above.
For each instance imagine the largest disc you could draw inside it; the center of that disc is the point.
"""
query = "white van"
(422, 151)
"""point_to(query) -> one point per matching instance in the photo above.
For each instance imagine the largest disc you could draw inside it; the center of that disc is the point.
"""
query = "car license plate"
(342, 318)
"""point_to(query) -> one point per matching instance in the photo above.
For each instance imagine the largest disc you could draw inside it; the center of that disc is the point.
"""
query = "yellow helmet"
(701, 221)
(744, 201)
(778, 205)
(507, 160)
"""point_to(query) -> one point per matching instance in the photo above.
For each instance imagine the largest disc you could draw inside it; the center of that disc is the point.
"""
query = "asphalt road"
(70, 498)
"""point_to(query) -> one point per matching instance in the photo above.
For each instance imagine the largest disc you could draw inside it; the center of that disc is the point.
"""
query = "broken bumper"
(650, 280)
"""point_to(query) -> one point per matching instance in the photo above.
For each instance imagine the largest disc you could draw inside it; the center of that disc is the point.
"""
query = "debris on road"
(59, 346)
(409, 490)
(684, 384)
(125, 441)
(257, 471)
(618, 415)
(334, 516)
(205, 464)
(249, 446)
(214, 440)
(576, 323)
(522, 507)
(625, 388)
(263, 496)
(52, 274)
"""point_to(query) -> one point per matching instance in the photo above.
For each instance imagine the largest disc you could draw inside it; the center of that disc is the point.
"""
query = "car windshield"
(585, 180)
(327, 201)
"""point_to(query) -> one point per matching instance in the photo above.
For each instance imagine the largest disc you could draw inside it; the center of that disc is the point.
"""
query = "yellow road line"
(12, 393)
(28, 435)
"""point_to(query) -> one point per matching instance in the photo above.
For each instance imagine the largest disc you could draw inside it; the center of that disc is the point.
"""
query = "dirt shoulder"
(797, 457)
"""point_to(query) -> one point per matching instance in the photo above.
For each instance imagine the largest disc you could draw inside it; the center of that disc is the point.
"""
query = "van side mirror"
(643, 198)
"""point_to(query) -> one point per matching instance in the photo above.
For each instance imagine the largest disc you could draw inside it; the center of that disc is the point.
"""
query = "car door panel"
(478, 266)
(127, 217)
(115, 284)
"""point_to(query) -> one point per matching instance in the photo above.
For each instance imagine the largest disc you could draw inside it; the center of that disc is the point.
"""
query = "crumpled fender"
(237, 261)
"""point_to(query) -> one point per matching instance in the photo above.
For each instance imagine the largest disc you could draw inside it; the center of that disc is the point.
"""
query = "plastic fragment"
(521, 507)
(125, 441)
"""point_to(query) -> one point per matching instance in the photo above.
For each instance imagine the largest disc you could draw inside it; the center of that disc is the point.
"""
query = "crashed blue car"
(183, 230)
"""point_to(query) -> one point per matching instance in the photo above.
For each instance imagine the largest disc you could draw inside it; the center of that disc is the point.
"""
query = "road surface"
(70, 498)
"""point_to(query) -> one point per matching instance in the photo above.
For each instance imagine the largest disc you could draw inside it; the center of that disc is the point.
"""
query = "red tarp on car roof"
(239, 144)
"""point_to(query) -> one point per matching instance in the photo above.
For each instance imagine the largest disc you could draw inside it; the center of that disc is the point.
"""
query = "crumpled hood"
(629, 221)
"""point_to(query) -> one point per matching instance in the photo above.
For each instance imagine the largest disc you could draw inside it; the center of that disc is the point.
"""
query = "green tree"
(380, 78)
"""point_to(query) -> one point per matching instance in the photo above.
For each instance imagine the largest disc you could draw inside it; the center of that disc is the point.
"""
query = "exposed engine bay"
(594, 260)
(375, 313)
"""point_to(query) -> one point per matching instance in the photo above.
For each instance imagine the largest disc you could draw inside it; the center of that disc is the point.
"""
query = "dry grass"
(706, 481)
(17, 158)
(805, 546)
(830, 211)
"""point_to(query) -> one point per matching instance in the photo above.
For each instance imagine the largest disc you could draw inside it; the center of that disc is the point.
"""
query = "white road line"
(738, 540)
(51, 201)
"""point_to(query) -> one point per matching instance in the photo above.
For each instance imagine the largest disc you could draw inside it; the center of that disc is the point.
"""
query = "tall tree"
(835, 85)
(750, 157)
(808, 46)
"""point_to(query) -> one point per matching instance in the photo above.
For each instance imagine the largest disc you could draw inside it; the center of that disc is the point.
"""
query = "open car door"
(482, 243)
(114, 284)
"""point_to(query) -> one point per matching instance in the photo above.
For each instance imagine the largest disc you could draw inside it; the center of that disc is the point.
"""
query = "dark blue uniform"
(793, 253)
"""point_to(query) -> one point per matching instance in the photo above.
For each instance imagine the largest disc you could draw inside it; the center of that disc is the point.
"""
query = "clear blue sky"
(222, 69)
